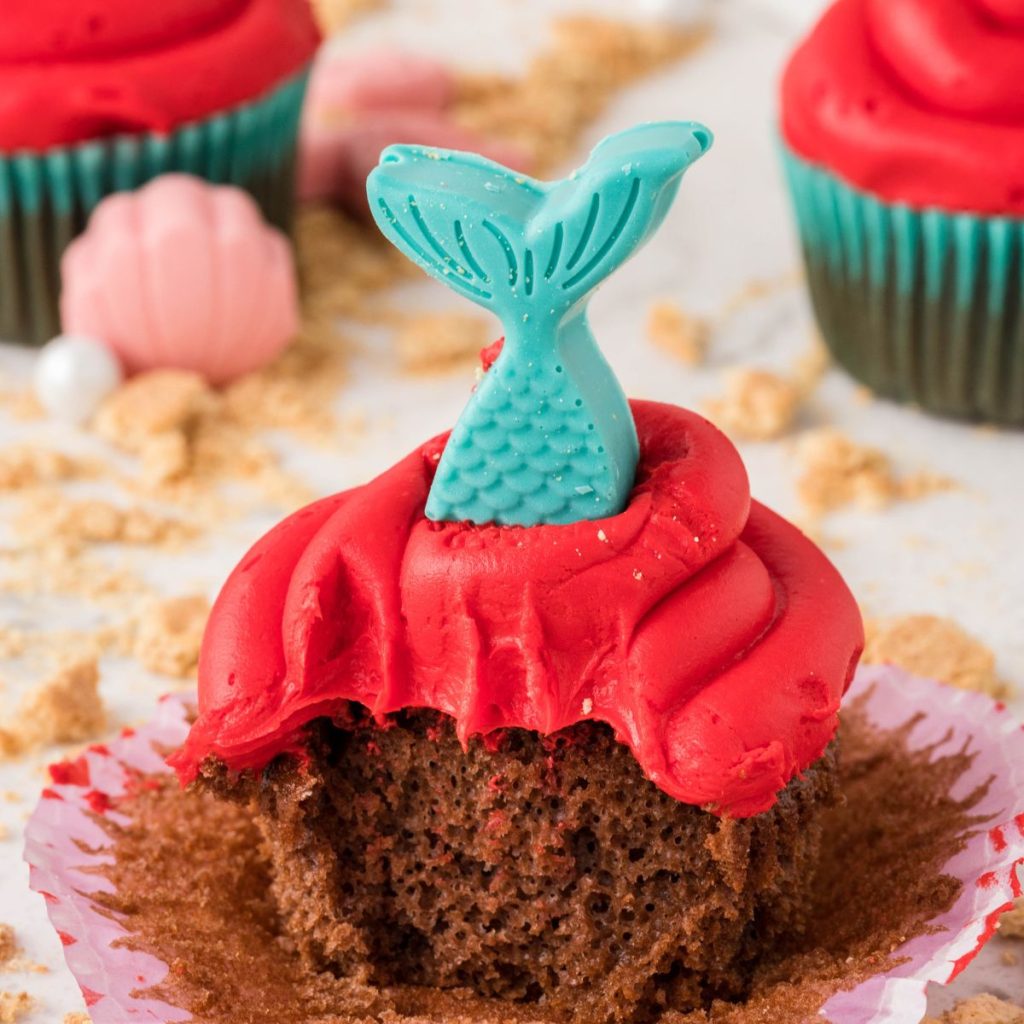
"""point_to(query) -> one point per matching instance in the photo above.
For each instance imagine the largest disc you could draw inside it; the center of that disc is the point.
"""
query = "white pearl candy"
(73, 375)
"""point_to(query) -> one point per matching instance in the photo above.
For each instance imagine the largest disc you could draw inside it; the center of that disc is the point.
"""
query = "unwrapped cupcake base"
(923, 306)
(65, 845)
(46, 198)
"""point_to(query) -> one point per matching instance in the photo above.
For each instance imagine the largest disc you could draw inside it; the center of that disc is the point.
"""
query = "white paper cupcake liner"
(64, 845)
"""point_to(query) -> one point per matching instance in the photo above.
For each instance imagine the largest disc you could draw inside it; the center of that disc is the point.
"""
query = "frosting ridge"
(711, 635)
(918, 101)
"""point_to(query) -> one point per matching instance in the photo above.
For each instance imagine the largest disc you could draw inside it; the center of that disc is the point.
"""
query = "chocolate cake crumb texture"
(934, 648)
(874, 889)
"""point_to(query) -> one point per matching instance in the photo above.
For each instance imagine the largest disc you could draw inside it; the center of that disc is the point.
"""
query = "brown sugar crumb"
(169, 635)
(14, 1006)
(51, 518)
(435, 342)
(568, 85)
(65, 709)
(982, 1010)
(838, 471)
(1011, 924)
(935, 648)
(678, 333)
(757, 406)
(27, 466)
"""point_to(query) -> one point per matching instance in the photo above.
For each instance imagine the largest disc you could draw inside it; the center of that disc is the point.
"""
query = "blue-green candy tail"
(548, 436)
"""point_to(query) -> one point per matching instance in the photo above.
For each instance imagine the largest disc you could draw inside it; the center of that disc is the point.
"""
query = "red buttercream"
(917, 101)
(709, 633)
(71, 71)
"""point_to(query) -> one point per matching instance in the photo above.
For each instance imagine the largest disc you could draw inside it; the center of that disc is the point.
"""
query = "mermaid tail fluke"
(532, 252)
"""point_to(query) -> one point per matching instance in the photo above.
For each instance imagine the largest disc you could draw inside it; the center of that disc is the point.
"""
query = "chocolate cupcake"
(107, 96)
(547, 711)
(902, 142)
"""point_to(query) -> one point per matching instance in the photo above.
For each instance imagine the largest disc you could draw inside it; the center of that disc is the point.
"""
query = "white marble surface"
(955, 554)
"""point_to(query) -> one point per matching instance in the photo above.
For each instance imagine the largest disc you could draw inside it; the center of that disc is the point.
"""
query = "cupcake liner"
(46, 198)
(923, 306)
(64, 845)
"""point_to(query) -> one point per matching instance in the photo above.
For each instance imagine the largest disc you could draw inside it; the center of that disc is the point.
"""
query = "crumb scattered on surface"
(757, 289)
(77, 1018)
(14, 1006)
(11, 959)
(48, 517)
(838, 471)
(28, 466)
(1011, 924)
(334, 15)
(569, 84)
(757, 406)
(67, 708)
(435, 342)
(935, 648)
(812, 366)
(677, 332)
(170, 632)
(982, 1010)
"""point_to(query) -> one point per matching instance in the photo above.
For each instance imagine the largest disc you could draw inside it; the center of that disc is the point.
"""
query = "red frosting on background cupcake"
(710, 634)
(72, 70)
(917, 101)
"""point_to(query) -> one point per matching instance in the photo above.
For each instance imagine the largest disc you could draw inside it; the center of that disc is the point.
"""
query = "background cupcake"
(904, 150)
(105, 96)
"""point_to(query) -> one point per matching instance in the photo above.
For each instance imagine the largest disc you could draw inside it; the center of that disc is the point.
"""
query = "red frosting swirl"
(709, 633)
(917, 101)
(71, 71)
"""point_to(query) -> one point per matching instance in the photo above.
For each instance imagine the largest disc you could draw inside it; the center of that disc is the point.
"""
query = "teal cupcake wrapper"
(46, 198)
(922, 305)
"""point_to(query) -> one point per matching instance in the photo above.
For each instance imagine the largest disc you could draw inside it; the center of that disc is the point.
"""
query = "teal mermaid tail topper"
(548, 436)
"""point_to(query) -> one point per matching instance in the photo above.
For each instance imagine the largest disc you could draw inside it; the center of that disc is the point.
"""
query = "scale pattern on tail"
(548, 436)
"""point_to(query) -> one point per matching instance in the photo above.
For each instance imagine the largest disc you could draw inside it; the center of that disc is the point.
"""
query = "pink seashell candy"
(182, 274)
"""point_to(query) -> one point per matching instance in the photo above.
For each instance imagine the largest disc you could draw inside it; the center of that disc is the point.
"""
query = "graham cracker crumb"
(48, 517)
(935, 648)
(24, 466)
(435, 342)
(14, 1006)
(678, 333)
(569, 84)
(757, 289)
(982, 1010)
(156, 402)
(334, 15)
(758, 405)
(11, 959)
(1011, 924)
(170, 633)
(67, 708)
(77, 1018)
(812, 366)
(838, 471)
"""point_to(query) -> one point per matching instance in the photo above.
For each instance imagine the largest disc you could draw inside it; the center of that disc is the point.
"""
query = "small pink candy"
(182, 274)
(357, 105)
